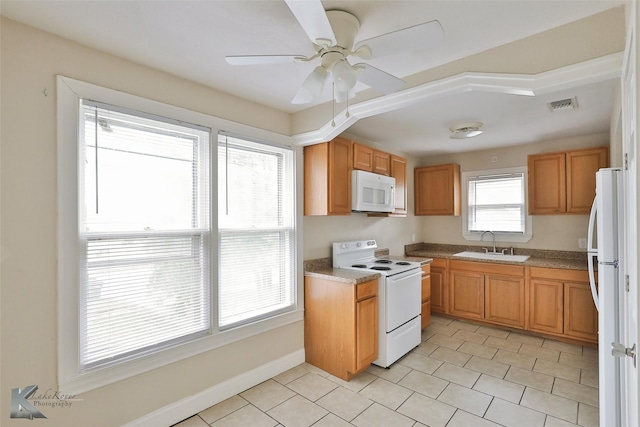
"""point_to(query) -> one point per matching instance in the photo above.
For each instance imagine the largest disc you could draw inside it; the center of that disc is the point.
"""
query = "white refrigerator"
(605, 249)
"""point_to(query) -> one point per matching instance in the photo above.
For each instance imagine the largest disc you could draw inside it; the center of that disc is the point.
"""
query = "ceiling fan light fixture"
(312, 87)
(344, 76)
(465, 130)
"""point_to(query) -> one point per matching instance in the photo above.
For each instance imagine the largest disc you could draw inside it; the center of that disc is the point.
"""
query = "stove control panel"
(355, 245)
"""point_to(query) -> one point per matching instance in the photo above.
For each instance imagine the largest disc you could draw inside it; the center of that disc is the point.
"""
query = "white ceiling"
(191, 38)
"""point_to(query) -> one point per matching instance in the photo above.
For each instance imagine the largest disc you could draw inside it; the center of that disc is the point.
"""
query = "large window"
(256, 230)
(144, 230)
(162, 253)
(496, 201)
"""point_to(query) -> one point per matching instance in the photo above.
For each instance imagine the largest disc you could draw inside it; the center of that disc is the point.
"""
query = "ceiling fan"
(333, 35)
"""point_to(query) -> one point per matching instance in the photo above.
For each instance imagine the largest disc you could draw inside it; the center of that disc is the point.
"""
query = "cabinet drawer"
(560, 274)
(366, 290)
(426, 269)
(488, 268)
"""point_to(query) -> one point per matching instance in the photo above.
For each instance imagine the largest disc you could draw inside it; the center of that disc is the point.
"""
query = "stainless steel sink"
(492, 256)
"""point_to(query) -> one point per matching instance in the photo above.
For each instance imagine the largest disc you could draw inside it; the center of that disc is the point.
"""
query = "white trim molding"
(596, 70)
(185, 408)
(71, 379)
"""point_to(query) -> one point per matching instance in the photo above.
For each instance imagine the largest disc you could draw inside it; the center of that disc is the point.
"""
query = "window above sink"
(496, 200)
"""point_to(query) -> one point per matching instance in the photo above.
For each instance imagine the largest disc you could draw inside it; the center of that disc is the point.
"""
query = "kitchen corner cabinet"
(439, 288)
(485, 291)
(367, 159)
(327, 178)
(564, 182)
(437, 190)
(561, 303)
(340, 325)
(426, 296)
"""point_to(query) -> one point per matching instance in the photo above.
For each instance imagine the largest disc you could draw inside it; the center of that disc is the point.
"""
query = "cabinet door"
(366, 332)
(399, 172)
(580, 314)
(437, 190)
(547, 184)
(582, 166)
(466, 294)
(381, 163)
(340, 152)
(546, 302)
(426, 297)
(438, 289)
(362, 157)
(504, 300)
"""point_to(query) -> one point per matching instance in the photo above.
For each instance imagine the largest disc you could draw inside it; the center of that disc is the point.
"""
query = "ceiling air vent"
(563, 105)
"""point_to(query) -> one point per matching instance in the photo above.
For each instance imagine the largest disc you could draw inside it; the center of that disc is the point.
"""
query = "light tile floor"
(461, 375)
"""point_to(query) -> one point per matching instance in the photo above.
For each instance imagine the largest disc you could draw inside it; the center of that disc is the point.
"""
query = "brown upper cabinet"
(367, 159)
(399, 172)
(564, 182)
(327, 178)
(437, 190)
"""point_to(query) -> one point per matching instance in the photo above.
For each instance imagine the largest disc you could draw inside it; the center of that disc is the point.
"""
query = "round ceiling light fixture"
(465, 130)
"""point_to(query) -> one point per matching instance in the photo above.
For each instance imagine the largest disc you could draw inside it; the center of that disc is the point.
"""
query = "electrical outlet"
(413, 237)
(582, 243)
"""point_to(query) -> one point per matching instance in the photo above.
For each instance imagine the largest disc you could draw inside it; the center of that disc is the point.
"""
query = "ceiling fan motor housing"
(345, 27)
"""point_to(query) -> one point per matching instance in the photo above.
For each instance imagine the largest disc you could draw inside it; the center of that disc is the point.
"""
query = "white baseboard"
(185, 408)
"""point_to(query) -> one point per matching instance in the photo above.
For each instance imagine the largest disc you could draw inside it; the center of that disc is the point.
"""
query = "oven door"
(402, 298)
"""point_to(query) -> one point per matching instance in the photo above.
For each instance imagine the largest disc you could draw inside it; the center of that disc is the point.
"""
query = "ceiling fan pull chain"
(333, 104)
(347, 114)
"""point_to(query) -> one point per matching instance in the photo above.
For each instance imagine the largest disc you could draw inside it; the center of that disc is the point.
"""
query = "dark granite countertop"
(425, 252)
(538, 258)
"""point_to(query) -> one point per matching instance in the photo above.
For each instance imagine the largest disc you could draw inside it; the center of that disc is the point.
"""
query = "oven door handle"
(405, 274)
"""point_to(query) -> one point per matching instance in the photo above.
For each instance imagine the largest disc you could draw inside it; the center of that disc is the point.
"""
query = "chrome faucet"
(494, 240)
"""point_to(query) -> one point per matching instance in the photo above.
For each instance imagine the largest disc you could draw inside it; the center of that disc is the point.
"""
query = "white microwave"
(371, 192)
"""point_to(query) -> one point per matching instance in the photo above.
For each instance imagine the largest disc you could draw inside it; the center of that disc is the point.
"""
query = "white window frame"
(71, 379)
(501, 237)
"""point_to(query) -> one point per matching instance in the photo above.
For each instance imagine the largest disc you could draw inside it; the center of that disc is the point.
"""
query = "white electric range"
(399, 296)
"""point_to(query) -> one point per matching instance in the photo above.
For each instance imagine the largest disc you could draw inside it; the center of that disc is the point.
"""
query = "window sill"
(500, 238)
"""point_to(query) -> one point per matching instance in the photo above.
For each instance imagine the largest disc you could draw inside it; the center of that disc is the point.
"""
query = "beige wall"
(557, 232)
(30, 61)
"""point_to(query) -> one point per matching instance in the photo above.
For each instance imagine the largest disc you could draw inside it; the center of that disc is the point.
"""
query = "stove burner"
(384, 261)
(359, 266)
(375, 267)
(403, 263)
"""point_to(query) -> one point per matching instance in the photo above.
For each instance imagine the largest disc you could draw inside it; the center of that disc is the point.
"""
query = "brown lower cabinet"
(551, 301)
(426, 297)
(561, 303)
(491, 292)
(439, 286)
(466, 293)
(340, 325)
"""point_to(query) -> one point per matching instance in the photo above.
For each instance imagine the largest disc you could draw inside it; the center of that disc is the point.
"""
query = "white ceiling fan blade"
(313, 19)
(262, 59)
(378, 79)
(418, 37)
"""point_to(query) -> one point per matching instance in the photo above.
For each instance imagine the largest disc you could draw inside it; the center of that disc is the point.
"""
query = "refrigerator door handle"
(592, 254)
(592, 224)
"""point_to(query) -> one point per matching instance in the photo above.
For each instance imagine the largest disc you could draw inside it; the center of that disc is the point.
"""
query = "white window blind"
(144, 227)
(496, 203)
(256, 230)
